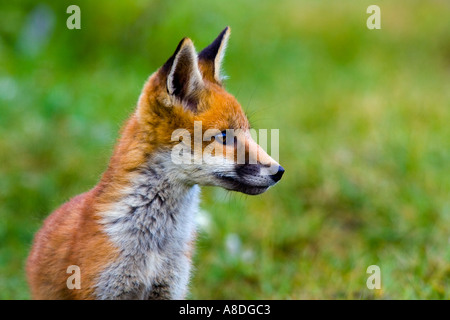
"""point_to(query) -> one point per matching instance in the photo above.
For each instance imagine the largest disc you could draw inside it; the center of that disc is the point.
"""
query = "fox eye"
(224, 138)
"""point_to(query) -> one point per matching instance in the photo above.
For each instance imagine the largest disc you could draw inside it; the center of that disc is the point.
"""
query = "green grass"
(364, 137)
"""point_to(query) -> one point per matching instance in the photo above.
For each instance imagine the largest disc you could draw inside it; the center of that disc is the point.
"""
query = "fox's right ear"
(212, 57)
(183, 78)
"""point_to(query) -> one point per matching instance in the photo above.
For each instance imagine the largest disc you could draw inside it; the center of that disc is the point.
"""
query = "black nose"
(277, 176)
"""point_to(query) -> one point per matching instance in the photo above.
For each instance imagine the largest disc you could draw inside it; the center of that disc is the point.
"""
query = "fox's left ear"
(212, 56)
(183, 78)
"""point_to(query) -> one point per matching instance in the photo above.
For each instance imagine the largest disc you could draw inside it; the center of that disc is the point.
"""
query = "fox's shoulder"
(66, 216)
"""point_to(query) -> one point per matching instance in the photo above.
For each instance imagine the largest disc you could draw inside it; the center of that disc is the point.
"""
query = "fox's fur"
(132, 235)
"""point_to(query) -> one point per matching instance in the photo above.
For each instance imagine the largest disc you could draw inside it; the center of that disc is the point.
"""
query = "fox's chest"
(154, 228)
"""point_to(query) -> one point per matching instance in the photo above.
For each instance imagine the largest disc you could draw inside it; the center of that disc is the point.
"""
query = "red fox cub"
(132, 235)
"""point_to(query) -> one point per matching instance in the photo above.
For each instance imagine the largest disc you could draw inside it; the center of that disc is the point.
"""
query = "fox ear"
(212, 56)
(183, 78)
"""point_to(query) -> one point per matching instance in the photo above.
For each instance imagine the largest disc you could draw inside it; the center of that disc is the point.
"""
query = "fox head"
(197, 129)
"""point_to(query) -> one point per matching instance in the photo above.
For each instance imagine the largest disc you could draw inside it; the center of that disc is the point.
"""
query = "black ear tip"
(183, 42)
(225, 31)
(210, 52)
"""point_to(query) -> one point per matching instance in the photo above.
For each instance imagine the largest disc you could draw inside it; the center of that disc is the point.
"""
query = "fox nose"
(277, 176)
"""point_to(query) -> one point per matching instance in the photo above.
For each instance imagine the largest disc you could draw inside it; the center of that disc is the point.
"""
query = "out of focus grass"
(364, 136)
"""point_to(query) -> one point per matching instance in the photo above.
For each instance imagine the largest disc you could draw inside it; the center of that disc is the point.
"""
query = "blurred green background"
(364, 119)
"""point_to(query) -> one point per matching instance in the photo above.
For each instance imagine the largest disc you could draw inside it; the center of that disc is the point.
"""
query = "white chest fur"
(153, 226)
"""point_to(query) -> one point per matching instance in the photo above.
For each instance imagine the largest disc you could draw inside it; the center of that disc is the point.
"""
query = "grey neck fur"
(153, 225)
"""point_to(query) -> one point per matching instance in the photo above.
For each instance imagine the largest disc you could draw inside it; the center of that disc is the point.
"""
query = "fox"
(132, 236)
